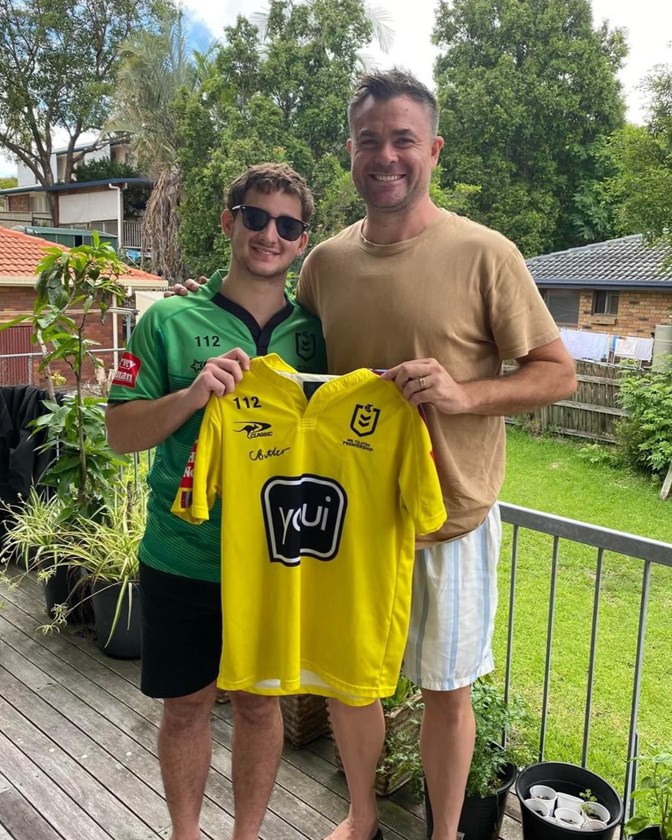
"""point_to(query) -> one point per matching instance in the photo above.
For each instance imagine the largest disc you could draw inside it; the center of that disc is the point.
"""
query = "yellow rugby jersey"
(321, 502)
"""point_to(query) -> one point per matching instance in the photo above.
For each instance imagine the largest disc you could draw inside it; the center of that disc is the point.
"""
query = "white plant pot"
(569, 818)
(566, 800)
(595, 811)
(539, 806)
(593, 825)
(546, 794)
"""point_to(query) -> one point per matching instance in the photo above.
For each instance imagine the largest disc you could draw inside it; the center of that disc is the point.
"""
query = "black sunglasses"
(254, 218)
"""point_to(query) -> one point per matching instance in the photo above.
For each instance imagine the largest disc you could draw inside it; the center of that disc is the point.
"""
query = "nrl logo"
(305, 345)
(364, 420)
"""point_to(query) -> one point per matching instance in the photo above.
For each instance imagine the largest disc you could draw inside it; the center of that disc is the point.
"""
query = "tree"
(528, 92)
(8, 183)
(58, 62)
(278, 92)
(155, 69)
(642, 156)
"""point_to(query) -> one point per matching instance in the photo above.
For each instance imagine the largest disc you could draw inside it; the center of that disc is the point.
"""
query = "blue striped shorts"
(453, 609)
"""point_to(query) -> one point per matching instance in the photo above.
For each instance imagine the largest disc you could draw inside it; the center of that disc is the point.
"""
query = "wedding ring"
(421, 383)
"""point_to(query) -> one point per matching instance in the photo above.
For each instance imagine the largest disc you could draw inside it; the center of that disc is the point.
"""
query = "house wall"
(19, 203)
(16, 300)
(638, 313)
(82, 207)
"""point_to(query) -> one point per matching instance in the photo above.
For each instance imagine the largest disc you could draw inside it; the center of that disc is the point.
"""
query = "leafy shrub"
(645, 437)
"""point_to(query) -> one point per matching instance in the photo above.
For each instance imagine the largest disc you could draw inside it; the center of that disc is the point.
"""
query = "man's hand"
(219, 376)
(189, 285)
(426, 381)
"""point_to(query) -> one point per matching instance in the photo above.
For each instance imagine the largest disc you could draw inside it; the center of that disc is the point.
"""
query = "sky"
(649, 25)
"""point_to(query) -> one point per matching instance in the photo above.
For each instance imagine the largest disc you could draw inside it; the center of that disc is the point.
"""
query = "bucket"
(573, 780)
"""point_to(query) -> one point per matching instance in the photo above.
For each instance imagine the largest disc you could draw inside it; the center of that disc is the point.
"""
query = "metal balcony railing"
(651, 553)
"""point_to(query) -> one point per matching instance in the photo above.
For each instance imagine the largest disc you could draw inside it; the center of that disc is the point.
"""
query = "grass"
(549, 475)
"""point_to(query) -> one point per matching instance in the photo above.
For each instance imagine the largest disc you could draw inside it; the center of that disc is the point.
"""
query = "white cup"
(546, 794)
(539, 806)
(595, 811)
(568, 817)
(566, 800)
(593, 825)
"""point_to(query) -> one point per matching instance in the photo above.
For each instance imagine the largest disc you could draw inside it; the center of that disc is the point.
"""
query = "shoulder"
(460, 231)
(336, 245)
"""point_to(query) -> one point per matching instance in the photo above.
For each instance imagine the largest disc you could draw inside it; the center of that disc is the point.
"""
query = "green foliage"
(601, 454)
(528, 94)
(645, 435)
(275, 92)
(496, 721)
(58, 62)
(8, 183)
(642, 157)
(98, 170)
(73, 286)
(405, 690)
(655, 791)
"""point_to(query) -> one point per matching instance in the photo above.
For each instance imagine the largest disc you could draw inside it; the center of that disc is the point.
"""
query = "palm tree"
(155, 69)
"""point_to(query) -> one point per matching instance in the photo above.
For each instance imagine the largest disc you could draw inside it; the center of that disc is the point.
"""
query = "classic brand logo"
(305, 345)
(254, 429)
(303, 517)
(128, 370)
(364, 420)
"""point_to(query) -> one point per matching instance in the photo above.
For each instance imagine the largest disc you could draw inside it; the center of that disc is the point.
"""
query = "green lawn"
(549, 475)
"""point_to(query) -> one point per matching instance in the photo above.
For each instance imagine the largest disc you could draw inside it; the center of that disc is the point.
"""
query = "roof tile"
(20, 253)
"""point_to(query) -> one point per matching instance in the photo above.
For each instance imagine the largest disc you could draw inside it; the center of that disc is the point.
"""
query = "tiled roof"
(20, 253)
(625, 262)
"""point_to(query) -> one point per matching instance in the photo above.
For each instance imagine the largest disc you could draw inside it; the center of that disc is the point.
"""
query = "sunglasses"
(254, 218)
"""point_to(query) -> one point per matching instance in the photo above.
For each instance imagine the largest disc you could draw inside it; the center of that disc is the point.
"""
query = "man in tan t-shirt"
(439, 302)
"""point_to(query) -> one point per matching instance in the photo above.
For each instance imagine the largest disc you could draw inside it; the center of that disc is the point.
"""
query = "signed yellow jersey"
(322, 498)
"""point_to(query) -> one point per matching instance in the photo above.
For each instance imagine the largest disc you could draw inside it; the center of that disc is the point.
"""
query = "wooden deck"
(78, 750)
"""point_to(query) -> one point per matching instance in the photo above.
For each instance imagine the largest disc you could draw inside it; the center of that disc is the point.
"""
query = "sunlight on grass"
(549, 475)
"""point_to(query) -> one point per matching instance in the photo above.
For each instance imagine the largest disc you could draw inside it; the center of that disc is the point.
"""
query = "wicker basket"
(305, 717)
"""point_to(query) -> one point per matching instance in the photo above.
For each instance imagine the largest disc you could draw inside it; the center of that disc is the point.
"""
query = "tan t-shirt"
(459, 293)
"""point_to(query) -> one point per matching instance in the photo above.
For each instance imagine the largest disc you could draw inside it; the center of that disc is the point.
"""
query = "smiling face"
(393, 152)
(264, 254)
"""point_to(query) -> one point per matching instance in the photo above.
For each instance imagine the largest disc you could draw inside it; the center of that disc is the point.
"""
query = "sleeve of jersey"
(142, 370)
(202, 478)
(419, 481)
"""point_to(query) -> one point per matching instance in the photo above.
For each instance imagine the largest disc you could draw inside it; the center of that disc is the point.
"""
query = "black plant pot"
(481, 816)
(651, 832)
(570, 779)
(66, 587)
(124, 642)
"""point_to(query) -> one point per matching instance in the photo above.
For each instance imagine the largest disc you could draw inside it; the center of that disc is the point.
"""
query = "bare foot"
(351, 829)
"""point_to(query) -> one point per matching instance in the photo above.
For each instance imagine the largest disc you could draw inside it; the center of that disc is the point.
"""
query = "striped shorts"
(453, 609)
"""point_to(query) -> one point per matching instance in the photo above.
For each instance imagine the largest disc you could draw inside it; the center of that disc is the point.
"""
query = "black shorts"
(181, 633)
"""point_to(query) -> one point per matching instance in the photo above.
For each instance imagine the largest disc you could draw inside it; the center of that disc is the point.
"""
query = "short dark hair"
(387, 85)
(269, 178)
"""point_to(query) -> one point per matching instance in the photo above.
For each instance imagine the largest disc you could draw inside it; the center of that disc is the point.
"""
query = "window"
(605, 303)
(563, 304)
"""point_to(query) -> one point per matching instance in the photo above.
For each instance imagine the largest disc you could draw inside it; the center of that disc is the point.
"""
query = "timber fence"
(591, 412)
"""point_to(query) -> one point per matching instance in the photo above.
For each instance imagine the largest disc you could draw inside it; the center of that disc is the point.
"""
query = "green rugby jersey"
(167, 349)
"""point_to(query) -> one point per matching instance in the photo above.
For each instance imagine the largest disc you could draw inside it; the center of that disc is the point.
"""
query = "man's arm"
(137, 425)
(545, 375)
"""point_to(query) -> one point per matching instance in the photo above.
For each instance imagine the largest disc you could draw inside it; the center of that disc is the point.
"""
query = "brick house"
(621, 287)
(19, 255)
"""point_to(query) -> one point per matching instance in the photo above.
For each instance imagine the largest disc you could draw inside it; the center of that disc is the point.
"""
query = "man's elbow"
(566, 381)
(117, 439)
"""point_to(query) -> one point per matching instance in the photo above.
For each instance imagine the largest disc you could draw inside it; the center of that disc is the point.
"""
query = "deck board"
(78, 750)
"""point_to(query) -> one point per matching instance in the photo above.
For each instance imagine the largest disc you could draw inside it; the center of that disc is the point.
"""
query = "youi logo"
(303, 517)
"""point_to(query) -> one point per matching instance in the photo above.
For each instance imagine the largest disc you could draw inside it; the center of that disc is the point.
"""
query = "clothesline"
(603, 347)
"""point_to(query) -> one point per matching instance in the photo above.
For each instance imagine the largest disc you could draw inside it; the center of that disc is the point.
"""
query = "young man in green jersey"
(178, 355)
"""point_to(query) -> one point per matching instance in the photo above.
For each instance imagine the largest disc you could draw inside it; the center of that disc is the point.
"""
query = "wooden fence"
(591, 411)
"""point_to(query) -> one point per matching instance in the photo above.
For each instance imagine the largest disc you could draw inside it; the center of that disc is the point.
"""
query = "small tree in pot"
(655, 790)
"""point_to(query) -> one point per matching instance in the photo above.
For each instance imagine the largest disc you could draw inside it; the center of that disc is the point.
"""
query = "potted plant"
(105, 549)
(499, 750)
(577, 788)
(655, 790)
(74, 286)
